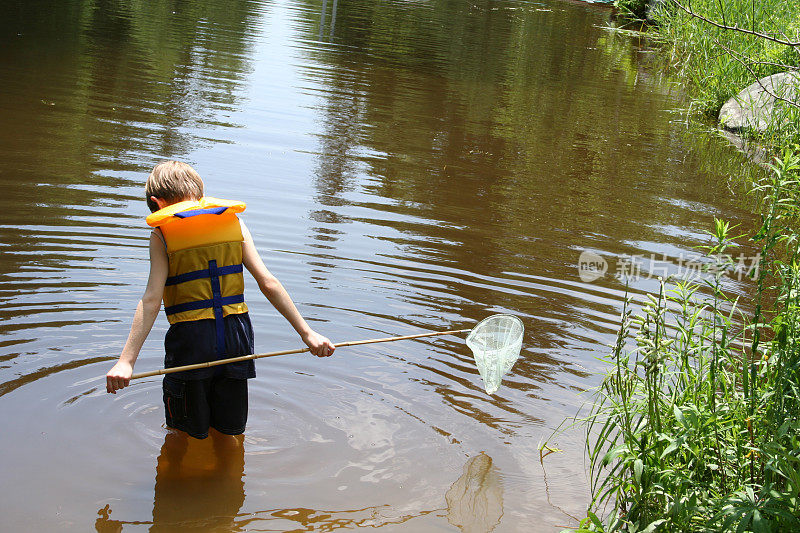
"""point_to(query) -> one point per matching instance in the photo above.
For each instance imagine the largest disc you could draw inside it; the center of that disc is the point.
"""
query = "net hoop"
(495, 343)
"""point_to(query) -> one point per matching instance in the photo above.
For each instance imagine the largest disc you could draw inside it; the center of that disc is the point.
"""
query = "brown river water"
(408, 166)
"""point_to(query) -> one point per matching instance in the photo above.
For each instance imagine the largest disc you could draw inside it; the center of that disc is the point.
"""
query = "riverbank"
(695, 425)
(721, 52)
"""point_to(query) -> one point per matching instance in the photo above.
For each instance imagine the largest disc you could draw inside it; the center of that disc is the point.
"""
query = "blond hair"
(174, 182)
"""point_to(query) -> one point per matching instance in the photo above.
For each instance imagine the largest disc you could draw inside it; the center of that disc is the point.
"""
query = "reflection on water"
(324, 13)
(475, 501)
(408, 166)
(197, 488)
(199, 485)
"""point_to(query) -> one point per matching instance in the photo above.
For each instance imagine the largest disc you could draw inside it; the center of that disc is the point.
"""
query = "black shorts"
(193, 406)
(195, 341)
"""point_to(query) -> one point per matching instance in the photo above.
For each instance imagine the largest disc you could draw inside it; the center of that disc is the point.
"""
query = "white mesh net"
(495, 343)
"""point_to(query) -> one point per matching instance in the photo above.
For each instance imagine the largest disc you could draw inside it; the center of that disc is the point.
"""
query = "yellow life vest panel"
(204, 246)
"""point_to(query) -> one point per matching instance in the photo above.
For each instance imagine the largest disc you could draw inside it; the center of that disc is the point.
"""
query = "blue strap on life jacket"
(216, 302)
(203, 273)
(216, 291)
(195, 212)
(203, 304)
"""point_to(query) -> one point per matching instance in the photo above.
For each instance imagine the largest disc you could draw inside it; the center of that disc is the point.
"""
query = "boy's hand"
(320, 346)
(118, 377)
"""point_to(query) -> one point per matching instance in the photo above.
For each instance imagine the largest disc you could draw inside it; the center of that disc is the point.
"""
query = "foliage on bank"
(696, 426)
(633, 8)
(720, 47)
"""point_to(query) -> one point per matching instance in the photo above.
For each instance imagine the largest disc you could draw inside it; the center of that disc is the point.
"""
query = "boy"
(197, 249)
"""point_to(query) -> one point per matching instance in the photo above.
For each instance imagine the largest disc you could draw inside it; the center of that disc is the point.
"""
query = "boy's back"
(198, 251)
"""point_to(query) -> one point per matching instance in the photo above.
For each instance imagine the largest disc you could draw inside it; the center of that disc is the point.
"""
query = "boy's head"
(173, 182)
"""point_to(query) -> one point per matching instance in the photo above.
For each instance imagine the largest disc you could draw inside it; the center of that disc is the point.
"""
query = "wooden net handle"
(287, 352)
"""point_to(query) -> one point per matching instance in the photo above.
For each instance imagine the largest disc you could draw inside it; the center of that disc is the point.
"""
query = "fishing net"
(495, 343)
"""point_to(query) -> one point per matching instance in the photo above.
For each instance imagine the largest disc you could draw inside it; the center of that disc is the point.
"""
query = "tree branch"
(738, 57)
(766, 36)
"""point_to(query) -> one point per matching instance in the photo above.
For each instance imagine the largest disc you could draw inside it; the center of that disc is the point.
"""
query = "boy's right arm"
(146, 312)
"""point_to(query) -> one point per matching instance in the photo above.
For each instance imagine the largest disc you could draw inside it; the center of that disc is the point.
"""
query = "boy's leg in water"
(229, 450)
(228, 405)
(176, 442)
(199, 482)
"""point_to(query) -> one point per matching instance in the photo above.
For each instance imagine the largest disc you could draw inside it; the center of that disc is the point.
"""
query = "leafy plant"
(635, 8)
(696, 425)
(720, 48)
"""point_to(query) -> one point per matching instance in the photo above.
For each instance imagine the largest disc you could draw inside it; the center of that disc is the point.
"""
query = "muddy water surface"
(408, 166)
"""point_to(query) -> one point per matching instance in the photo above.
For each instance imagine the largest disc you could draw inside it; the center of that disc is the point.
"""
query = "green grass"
(717, 63)
(634, 8)
(696, 426)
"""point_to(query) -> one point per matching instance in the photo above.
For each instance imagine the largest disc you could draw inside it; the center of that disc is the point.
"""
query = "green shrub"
(697, 426)
(636, 8)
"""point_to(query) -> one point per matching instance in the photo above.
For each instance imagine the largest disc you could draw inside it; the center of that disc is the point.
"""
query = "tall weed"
(696, 426)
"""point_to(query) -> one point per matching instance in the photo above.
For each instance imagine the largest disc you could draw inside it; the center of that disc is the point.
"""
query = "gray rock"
(754, 107)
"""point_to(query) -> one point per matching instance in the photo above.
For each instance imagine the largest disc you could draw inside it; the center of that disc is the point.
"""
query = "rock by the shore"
(754, 108)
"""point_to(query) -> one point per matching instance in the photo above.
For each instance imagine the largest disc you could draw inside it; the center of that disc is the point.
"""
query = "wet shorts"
(193, 406)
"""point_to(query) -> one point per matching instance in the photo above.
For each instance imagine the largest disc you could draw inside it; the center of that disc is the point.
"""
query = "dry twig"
(738, 57)
(725, 26)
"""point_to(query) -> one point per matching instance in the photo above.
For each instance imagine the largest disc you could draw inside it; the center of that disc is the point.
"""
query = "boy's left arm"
(319, 345)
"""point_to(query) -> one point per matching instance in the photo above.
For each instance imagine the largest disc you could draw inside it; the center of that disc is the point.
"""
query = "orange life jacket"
(204, 246)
